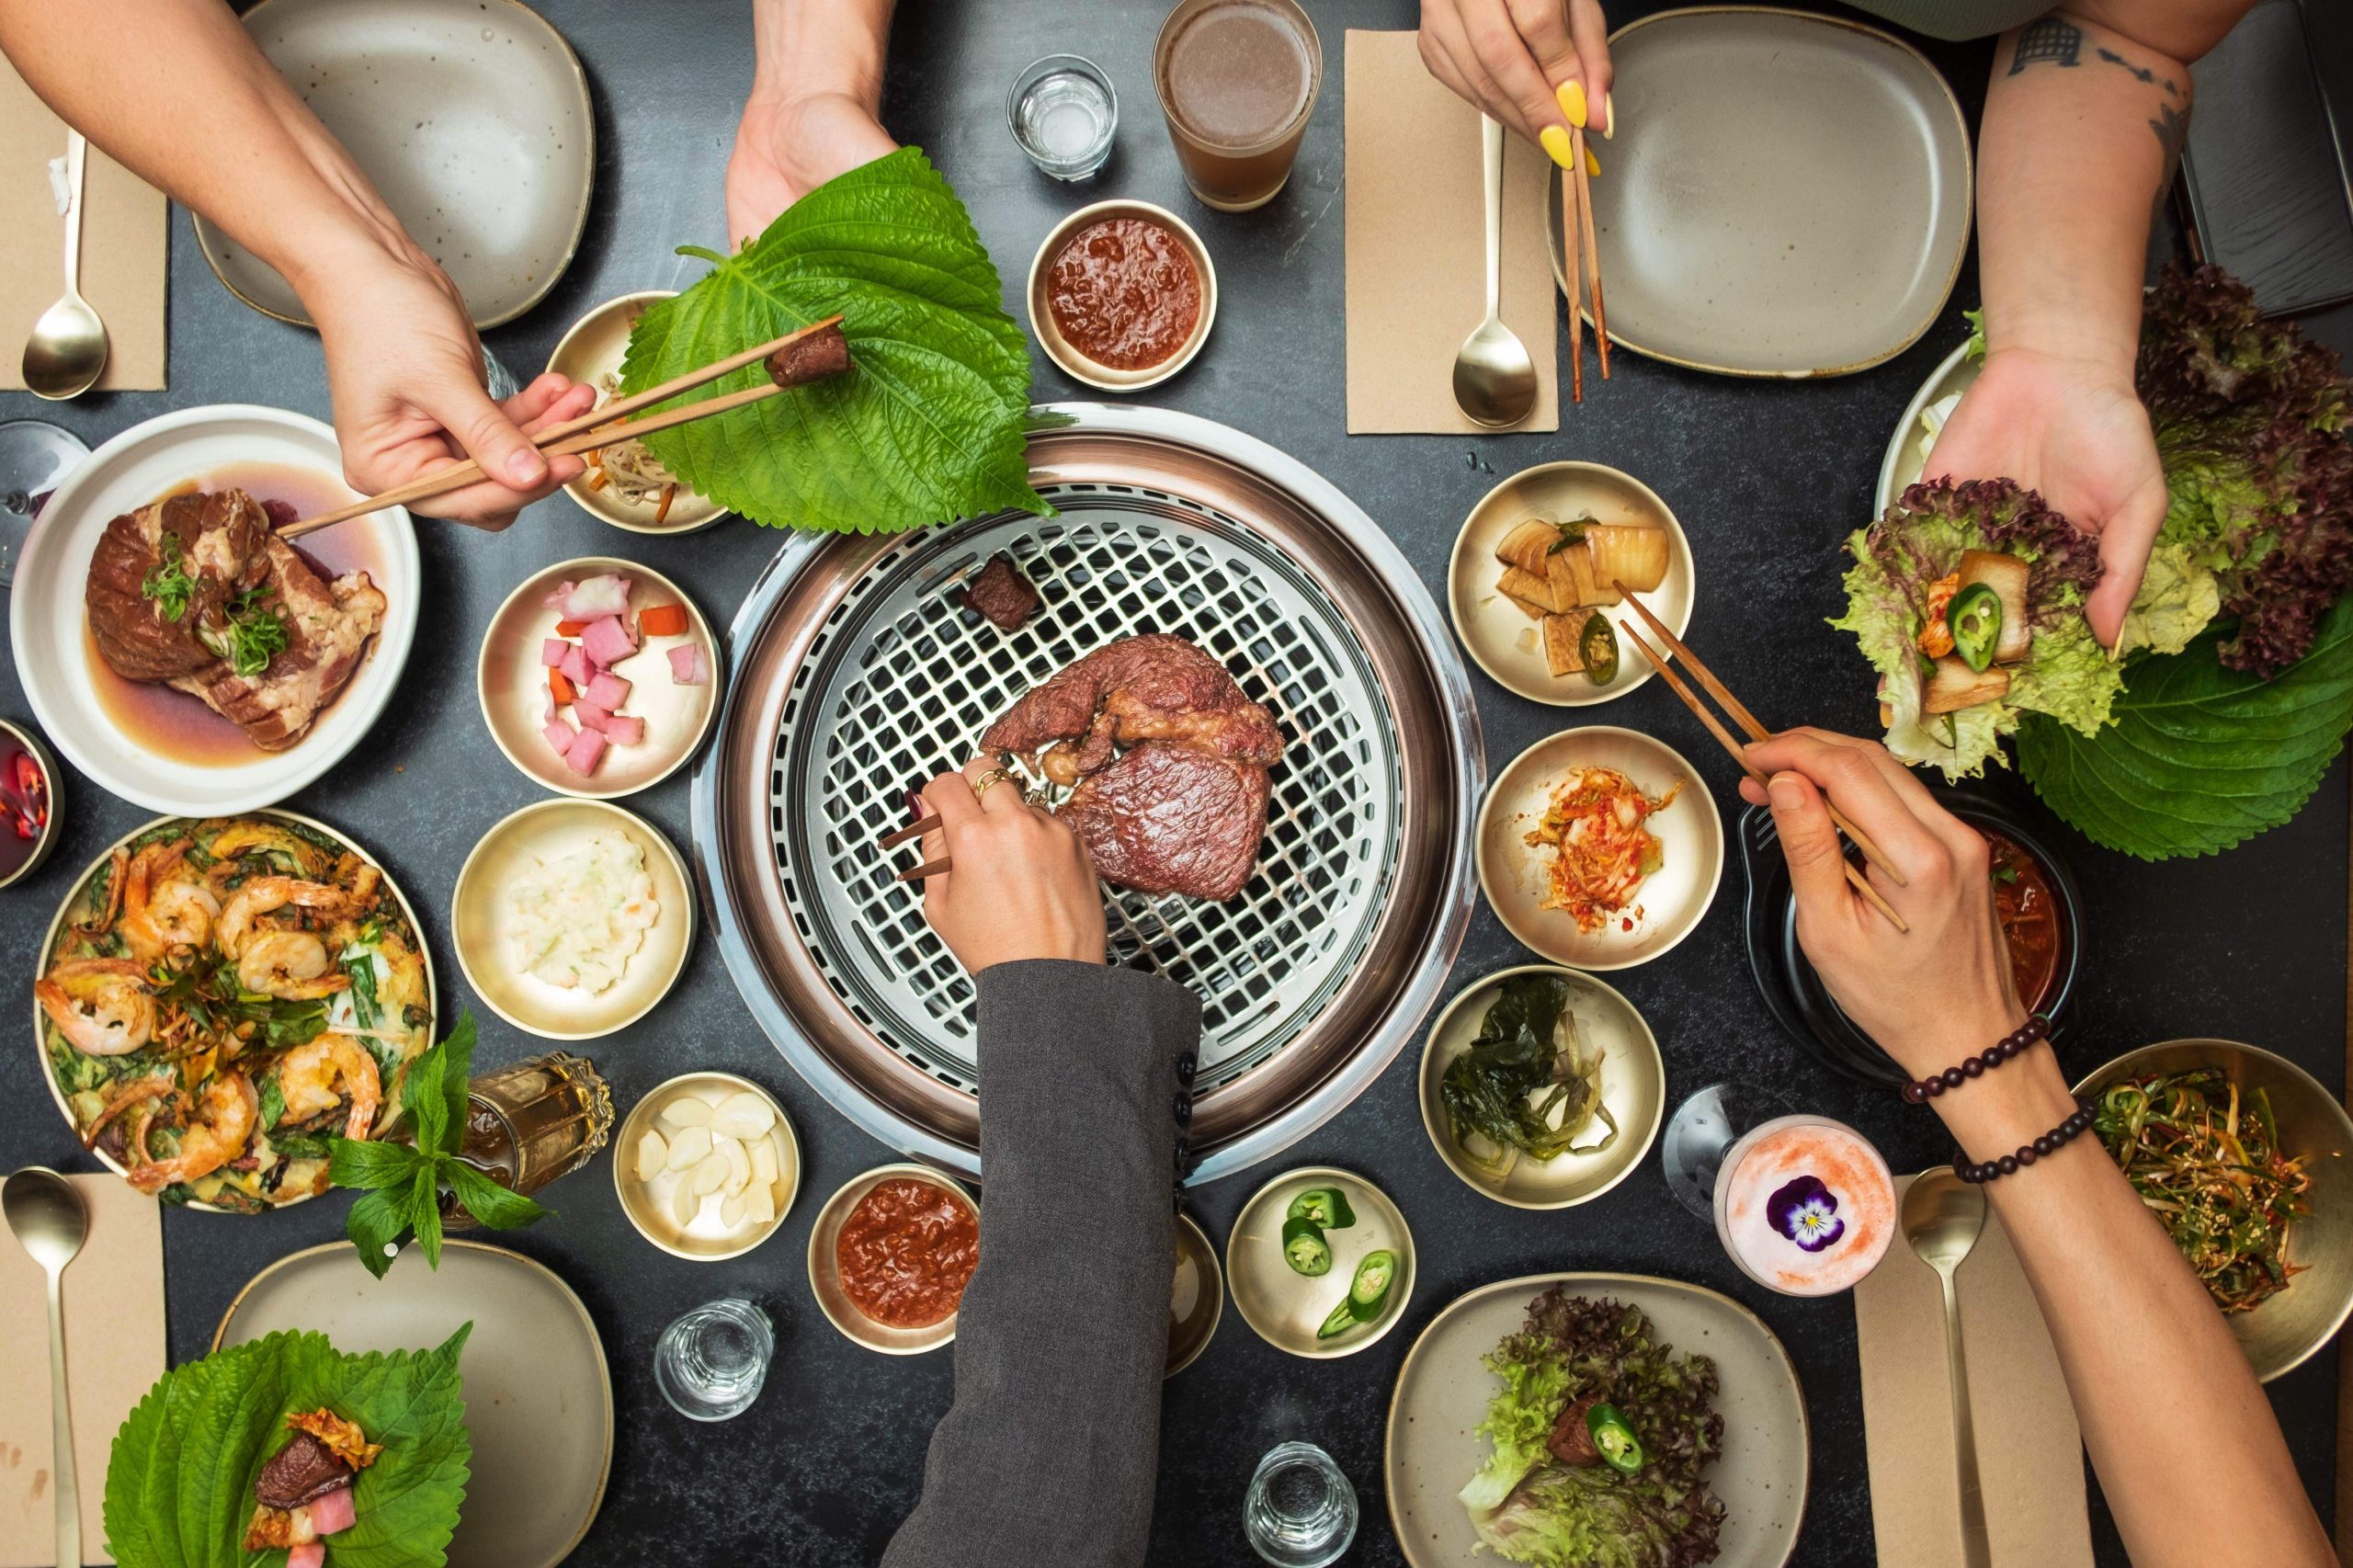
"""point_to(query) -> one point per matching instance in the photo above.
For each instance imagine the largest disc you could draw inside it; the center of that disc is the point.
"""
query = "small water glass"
(710, 1363)
(1063, 112)
(1300, 1512)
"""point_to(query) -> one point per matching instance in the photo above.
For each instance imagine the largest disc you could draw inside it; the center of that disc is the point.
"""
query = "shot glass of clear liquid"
(1063, 112)
(1299, 1512)
(709, 1364)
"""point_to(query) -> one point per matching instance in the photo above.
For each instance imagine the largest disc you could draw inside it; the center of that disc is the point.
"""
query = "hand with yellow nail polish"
(1541, 67)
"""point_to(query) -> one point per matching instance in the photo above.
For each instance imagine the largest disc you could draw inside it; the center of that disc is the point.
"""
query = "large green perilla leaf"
(927, 424)
(2199, 757)
(180, 1480)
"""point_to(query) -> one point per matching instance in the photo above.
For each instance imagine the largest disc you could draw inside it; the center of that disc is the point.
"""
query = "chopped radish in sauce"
(332, 1511)
(686, 665)
(606, 642)
(561, 735)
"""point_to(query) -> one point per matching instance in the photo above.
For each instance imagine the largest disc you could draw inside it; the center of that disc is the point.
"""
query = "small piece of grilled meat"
(1183, 808)
(1000, 594)
(304, 1469)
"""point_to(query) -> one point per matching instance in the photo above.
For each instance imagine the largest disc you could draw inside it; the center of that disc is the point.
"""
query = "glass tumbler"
(1299, 1512)
(1063, 112)
(709, 1364)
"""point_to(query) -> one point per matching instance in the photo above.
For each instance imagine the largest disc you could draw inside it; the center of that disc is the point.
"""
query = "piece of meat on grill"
(224, 540)
(1155, 686)
(1000, 594)
(1167, 817)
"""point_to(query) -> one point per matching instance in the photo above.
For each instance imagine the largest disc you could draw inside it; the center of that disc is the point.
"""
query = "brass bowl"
(824, 1273)
(1193, 1315)
(1286, 1307)
(2283, 1333)
(589, 349)
(709, 1239)
(1064, 353)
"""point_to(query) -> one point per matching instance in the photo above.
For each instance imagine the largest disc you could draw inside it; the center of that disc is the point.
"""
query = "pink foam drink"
(1804, 1205)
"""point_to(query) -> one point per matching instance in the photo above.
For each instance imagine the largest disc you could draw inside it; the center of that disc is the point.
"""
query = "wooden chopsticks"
(595, 428)
(1755, 732)
(1581, 260)
(907, 835)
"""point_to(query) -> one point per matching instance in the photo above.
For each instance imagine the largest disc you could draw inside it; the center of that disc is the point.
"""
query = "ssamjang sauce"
(1124, 293)
(906, 1253)
(2030, 914)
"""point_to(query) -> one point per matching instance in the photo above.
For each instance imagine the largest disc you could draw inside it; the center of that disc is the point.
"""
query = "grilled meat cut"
(171, 583)
(1183, 807)
(1001, 594)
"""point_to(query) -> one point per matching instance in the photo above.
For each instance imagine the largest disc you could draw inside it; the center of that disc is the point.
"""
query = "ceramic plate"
(707, 1238)
(471, 118)
(824, 1273)
(1633, 1090)
(1196, 1297)
(589, 352)
(1907, 449)
(159, 748)
(1786, 194)
(539, 1400)
(1077, 366)
(1286, 1307)
(1433, 1447)
(1499, 634)
(478, 917)
(1667, 903)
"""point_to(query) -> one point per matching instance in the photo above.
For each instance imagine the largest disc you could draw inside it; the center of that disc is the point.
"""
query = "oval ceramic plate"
(1286, 1307)
(1077, 366)
(538, 1398)
(478, 922)
(105, 860)
(589, 352)
(1434, 1447)
(1501, 637)
(1667, 905)
(80, 703)
(1907, 449)
(1633, 1090)
(1819, 249)
(470, 117)
(824, 1273)
(511, 681)
(707, 1238)
(1196, 1297)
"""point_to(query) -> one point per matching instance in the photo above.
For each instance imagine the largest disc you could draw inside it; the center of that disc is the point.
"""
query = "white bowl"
(47, 625)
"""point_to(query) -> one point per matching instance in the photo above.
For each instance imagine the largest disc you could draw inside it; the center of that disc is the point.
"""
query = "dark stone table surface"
(1765, 476)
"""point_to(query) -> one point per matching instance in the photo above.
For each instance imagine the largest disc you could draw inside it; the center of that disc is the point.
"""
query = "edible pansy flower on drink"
(1807, 1212)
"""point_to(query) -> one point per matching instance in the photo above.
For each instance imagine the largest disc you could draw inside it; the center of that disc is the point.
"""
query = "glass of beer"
(1237, 81)
(531, 1123)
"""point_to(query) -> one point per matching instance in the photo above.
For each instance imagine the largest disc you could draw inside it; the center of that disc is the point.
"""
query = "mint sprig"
(400, 1184)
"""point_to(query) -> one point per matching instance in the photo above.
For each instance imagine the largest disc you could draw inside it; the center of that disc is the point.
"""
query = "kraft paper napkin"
(1417, 248)
(126, 239)
(2029, 1452)
(114, 1353)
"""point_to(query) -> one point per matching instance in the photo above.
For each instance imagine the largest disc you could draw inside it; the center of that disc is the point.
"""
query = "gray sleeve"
(1047, 1454)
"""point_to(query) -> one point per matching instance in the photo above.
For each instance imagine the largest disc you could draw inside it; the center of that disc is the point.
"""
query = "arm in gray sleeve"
(1047, 1455)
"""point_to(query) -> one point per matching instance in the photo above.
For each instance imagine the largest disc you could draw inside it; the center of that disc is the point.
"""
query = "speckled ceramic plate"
(478, 920)
(590, 351)
(471, 116)
(1286, 1307)
(1434, 1447)
(1786, 195)
(538, 1398)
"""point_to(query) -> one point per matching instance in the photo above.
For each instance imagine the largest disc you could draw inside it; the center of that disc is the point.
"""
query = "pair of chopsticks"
(795, 359)
(909, 835)
(1580, 254)
(1755, 732)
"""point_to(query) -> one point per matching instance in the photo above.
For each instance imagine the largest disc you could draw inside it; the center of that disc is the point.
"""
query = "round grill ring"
(857, 676)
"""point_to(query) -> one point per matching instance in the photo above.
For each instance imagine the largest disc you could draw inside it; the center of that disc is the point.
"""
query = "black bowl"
(1794, 992)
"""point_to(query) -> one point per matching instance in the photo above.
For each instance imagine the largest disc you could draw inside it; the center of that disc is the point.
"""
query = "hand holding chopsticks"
(1581, 260)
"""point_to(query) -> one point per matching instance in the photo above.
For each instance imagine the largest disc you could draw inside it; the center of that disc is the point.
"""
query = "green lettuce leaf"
(2199, 757)
(1520, 1419)
(180, 1479)
(2178, 599)
(927, 424)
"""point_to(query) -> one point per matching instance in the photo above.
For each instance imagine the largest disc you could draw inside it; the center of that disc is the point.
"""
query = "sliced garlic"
(731, 1210)
(712, 1174)
(688, 1110)
(764, 1162)
(653, 1156)
(743, 1115)
(688, 1149)
(685, 1202)
(760, 1200)
(739, 1165)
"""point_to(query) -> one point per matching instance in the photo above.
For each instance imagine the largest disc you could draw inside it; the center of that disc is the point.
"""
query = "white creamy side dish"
(576, 921)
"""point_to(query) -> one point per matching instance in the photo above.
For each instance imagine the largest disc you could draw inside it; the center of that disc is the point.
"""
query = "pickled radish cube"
(686, 665)
(332, 1511)
(624, 731)
(576, 665)
(606, 594)
(587, 752)
(551, 652)
(607, 642)
(653, 1156)
(607, 690)
(690, 1147)
(310, 1554)
(561, 735)
(589, 714)
(662, 620)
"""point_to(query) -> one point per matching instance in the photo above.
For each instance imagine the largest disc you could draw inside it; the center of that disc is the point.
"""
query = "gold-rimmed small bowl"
(1286, 1307)
(53, 784)
(1196, 1297)
(707, 1238)
(590, 350)
(824, 1272)
(1060, 349)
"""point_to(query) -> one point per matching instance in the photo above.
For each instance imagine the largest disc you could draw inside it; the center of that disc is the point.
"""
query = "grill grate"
(903, 680)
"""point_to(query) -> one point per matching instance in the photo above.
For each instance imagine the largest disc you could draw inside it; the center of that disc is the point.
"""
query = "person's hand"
(788, 146)
(1929, 995)
(406, 373)
(1538, 66)
(1022, 886)
(2078, 433)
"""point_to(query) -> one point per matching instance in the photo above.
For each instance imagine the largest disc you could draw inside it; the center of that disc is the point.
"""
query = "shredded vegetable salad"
(2208, 1164)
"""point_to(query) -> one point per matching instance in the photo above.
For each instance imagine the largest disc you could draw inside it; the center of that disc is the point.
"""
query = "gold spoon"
(1942, 1219)
(50, 1221)
(1495, 381)
(67, 351)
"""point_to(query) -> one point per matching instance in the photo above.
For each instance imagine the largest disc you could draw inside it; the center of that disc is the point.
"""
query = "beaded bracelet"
(2049, 1143)
(2015, 1043)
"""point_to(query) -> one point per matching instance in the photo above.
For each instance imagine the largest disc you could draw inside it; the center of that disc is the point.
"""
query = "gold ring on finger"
(993, 776)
